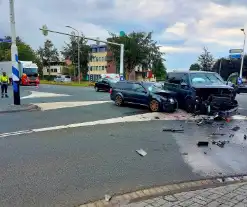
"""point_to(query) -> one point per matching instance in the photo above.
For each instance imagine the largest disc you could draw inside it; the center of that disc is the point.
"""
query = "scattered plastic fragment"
(173, 130)
(202, 144)
(141, 152)
(107, 198)
(236, 128)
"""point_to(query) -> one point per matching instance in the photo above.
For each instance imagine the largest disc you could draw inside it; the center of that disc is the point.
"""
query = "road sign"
(44, 30)
(235, 51)
(121, 77)
(5, 40)
(235, 56)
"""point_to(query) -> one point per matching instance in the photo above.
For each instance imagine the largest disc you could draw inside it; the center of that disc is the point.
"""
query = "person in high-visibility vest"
(4, 79)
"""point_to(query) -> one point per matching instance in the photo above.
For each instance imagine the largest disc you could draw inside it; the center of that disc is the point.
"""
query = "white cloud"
(209, 29)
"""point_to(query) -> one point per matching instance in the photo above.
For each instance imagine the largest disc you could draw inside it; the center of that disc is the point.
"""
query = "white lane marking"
(59, 105)
(179, 115)
(36, 94)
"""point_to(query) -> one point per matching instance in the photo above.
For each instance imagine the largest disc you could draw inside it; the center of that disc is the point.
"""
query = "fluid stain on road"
(227, 158)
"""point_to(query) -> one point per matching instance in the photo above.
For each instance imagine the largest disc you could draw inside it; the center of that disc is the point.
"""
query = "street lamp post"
(242, 60)
(78, 63)
(14, 56)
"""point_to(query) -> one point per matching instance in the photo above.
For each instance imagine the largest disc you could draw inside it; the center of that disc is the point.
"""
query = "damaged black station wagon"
(203, 92)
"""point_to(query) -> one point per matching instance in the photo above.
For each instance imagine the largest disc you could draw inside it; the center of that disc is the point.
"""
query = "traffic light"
(44, 30)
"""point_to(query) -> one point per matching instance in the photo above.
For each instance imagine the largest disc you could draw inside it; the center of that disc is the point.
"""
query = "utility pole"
(14, 57)
(242, 60)
(78, 43)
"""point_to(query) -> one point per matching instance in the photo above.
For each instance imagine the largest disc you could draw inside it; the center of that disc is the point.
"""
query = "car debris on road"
(141, 152)
(173, 130)
(108, 198)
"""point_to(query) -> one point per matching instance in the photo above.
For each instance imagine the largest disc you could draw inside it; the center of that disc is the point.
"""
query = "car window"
(67, 76)
(137, 87)
(100, 80)
(175, 77)
(123, 85)
(185, 79)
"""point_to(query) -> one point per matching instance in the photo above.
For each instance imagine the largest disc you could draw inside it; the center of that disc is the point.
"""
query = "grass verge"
(81, 84)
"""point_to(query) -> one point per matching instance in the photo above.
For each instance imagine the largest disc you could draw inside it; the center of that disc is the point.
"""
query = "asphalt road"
(70, 166)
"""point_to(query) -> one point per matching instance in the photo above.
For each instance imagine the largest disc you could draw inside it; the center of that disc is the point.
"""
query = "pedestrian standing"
(4, 79)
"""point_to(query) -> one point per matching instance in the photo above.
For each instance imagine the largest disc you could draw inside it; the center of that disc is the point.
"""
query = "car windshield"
(152, 86)
(30, 70)
(113, 80)
(205, 79)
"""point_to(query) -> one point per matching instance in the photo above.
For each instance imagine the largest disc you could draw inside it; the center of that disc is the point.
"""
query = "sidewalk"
(215, 192)
(7, 106)
(224, 196)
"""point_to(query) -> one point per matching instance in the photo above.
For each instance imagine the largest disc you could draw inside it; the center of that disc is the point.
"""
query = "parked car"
(149, 94)
(104, 84)
(63, 78)
(204, 92)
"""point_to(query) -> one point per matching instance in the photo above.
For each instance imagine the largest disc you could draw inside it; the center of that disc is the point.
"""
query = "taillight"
(110, 90)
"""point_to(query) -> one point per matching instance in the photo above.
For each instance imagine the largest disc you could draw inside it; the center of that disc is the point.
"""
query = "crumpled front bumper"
(223, 109)
(227, 113)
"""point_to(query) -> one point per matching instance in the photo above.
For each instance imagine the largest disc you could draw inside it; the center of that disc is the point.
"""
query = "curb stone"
(136, 196)
(25, 107)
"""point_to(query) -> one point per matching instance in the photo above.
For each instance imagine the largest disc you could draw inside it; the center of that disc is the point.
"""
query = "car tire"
(154, 105)
(96, 89)
(189, 105)
(119, 100)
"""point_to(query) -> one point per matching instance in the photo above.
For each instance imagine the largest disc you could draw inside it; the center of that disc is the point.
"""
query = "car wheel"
(154, 105)
(118, 100)
(189, 105)
(96, 89)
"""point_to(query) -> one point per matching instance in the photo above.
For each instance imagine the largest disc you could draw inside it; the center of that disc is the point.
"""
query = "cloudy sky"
(181, 27)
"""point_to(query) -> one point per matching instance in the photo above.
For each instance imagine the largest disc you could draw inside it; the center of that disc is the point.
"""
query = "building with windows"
(54, 69)
(101, 62)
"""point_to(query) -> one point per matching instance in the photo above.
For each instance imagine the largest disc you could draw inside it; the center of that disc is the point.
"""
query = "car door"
(185, 89)
(105, 84)
(140, 94)
(99, 84)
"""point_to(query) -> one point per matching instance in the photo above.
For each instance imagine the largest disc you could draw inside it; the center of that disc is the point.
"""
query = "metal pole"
(14, 57)
(220, 66)
(121, 61)
(79, 70)
(242, 60)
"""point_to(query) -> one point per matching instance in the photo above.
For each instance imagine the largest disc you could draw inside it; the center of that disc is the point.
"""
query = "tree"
(25, 52)
(139, 49)
(48, 54)
(206, 60)
(195, 67)
(159, 70)
(71, 50)
(226, 66)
